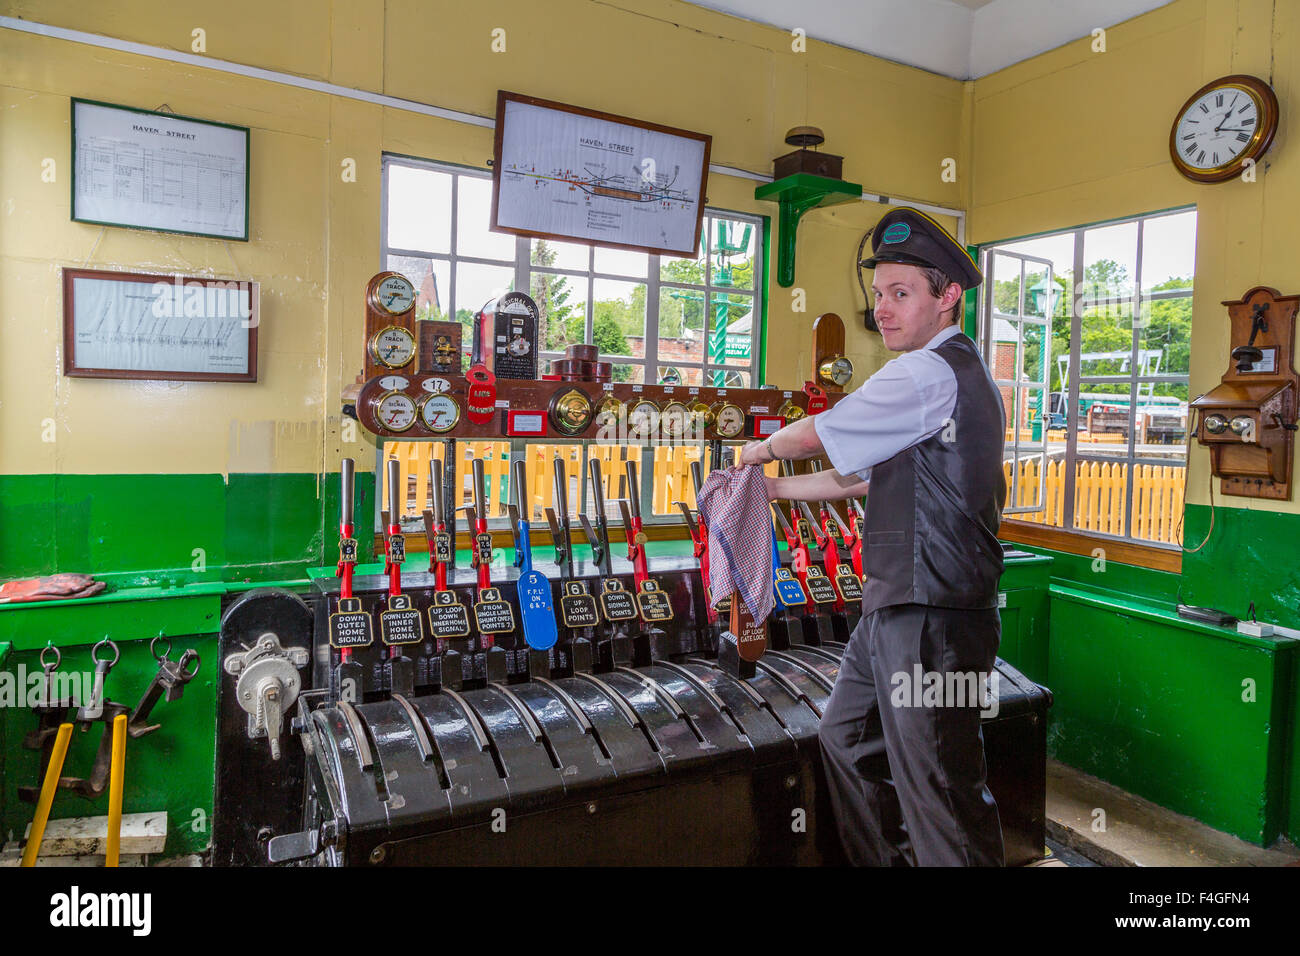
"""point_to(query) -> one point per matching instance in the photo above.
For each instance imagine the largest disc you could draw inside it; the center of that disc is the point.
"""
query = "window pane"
(1109, 266)
(1031, 468)
(618, 317)
(1006, 285)
(731, 343)
(672, 477)
(681, 325)
(630, 373)
(539, 470)
(726, 378)
(690, 271)
(560, 255)
(1033, 339)
(681, 316)
(1100, 489)
(473, 214)
(431, 278)
(1158, 503)
(419, 209)
(562, 309)
(1169, 251)
(1162, 427)
(679, 374)
(1031, 416)
(732, 244)
(1165, 339)
(622, 262)
(477, 284)
(1106, 329)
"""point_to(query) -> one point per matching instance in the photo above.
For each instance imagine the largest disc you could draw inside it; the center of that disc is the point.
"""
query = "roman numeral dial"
(1226, 122)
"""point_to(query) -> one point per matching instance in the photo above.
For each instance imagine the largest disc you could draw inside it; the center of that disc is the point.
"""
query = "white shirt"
(906, 402)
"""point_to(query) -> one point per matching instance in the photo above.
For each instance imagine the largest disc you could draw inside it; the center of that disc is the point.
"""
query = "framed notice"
(173, 328)
(568, 173)
(148, 170)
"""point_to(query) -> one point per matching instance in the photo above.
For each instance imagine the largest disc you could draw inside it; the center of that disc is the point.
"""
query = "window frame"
(1068, 538)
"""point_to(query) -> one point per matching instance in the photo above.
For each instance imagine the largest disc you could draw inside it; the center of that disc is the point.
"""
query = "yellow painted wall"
(1076, 136)
(315, 239)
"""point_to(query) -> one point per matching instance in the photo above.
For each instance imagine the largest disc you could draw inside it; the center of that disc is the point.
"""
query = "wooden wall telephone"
(1248, 420)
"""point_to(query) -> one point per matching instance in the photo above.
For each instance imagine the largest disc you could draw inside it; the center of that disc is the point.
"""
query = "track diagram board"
(568, 173)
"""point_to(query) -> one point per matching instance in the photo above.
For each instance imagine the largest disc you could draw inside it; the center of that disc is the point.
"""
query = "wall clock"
(1224, 123)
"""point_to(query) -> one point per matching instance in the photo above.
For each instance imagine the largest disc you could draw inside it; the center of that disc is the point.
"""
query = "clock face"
(1223, 124)
(1217, 128)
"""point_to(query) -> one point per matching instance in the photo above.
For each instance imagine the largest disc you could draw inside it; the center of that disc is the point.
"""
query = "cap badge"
(896, 233)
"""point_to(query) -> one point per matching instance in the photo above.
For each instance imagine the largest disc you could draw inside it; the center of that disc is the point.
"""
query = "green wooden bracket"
(796, 195)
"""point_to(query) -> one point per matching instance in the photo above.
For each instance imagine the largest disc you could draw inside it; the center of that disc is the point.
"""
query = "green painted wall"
(134, 530)
(1251, 556)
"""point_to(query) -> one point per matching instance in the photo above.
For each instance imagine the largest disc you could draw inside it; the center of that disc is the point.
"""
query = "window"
(1087, 333)
(659, 319)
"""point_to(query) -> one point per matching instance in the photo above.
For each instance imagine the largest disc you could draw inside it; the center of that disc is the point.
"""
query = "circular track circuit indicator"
(394, 294)
(440, 413)
(395, 411)
(392, 346)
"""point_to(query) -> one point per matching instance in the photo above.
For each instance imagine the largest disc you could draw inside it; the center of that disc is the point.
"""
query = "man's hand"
(755, 453)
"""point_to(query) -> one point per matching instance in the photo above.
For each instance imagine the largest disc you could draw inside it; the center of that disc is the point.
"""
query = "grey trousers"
(907, 777)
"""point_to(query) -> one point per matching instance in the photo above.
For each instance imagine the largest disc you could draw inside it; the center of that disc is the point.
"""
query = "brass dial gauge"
(729, 420)
(791, 412)
(609, 411)
(440, 413)
(675, 419)
(571, 412)
(702, 412)
(643, 418)
(836, 371)
(392, 346)
(395, 411)
(394, 294)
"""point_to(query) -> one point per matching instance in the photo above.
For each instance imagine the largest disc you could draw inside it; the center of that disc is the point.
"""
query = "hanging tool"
(93, 709)
(51, 714)
(46, 799)
(169, 683)
(534, 590)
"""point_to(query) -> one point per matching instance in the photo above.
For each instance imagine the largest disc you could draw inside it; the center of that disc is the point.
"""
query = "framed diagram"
(148, 170)
(568, 173)
(166, 327)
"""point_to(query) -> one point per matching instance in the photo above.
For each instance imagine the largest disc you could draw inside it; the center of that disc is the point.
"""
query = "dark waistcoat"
(933, 509)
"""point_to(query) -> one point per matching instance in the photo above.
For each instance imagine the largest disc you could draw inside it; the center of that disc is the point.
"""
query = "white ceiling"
(963, 39)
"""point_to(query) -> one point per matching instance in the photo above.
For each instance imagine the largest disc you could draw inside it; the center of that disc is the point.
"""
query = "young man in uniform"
(925, 433)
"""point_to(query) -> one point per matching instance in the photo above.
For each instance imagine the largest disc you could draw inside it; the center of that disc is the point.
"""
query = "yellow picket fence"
(1099, 491)
(672, 473)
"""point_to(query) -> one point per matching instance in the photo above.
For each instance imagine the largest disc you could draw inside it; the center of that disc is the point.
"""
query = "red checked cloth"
(736, 510)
